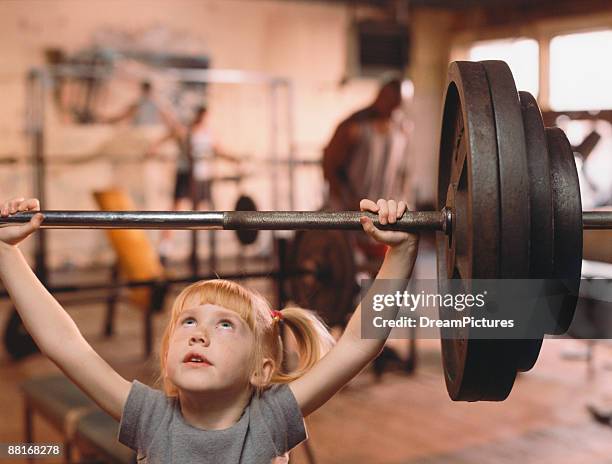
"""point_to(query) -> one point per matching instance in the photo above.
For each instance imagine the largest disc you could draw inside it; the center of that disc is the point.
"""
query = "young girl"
(226, 396)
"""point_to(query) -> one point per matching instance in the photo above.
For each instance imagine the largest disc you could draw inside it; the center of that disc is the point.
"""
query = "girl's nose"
(201, 338)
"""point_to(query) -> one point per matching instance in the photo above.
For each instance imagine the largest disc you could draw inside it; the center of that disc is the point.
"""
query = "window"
(580, 71)
(522, 55)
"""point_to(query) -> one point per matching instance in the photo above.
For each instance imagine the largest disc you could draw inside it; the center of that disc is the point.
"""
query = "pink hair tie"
(277, 316)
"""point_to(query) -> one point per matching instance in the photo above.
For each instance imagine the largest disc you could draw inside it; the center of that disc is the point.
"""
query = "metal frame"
(38, 78)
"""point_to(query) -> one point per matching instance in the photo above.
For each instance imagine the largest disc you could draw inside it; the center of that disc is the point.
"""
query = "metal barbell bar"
(229, 220)
(256, 220)
(593, 220)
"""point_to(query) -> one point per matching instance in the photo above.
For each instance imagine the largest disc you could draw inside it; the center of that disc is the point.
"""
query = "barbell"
(508, 208)
(411, 221)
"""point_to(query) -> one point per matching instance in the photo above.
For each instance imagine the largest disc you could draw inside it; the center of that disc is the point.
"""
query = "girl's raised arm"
(50, 326)
(352, 353)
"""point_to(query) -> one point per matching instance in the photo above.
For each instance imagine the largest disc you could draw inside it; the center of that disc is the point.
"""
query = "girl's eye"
(225, 324)
(190, 321)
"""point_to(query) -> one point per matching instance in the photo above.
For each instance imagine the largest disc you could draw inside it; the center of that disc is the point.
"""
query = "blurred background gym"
(100, 98)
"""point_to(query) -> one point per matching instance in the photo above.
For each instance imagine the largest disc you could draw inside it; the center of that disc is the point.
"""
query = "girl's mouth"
(196, 360)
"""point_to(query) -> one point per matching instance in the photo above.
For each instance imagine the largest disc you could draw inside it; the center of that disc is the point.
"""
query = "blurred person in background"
(144, 111)
(365, 157)
(195, 171)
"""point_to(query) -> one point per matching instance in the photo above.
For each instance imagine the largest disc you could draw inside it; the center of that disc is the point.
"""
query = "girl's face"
(210, 350)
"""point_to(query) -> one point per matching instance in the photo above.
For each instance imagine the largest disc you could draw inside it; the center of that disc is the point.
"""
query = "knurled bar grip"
(229, 220)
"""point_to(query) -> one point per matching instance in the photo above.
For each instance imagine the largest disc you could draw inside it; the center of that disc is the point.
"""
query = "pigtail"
(312, 338)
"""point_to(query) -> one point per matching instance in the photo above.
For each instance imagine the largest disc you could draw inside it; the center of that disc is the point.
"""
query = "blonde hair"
(312, 338)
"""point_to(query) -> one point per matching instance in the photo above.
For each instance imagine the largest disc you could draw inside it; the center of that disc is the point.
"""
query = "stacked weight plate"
(514, 190)
(469, 184)
(567, 225)
(541, 251)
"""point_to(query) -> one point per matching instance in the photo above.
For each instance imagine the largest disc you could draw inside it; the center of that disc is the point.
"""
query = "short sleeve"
(283, 417)
(142, 415)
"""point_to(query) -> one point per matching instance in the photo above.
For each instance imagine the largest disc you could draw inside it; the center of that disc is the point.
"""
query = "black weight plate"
(324, 277)
(246, 203)
(541, 212)
(514, 214)
(567, 210)
(468, 173)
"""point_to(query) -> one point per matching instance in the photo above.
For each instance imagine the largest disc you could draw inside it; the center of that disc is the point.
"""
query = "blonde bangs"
(220, 293)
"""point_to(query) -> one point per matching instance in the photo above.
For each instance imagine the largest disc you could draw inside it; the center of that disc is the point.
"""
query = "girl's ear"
(263, 374)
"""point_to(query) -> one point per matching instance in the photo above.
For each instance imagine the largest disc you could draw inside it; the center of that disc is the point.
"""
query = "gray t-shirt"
(153, 426)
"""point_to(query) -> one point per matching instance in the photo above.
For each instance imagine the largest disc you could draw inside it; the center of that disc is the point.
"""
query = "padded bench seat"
(75, 416)
(99, 430)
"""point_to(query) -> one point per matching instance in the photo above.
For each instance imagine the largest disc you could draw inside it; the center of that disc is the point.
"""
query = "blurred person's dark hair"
(389, 96)
(146, 86)
(199, 113)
